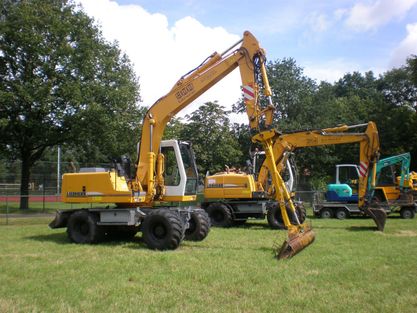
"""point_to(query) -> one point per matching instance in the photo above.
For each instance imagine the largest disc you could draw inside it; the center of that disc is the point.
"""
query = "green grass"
(349, 268)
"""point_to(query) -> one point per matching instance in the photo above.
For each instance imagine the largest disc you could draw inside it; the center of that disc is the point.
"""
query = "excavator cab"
(180, 170)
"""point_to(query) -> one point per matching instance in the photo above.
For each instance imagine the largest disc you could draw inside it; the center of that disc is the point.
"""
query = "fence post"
(7, 209)
(43, 195)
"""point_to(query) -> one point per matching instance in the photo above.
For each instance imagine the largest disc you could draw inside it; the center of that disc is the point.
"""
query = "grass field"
(349, 268)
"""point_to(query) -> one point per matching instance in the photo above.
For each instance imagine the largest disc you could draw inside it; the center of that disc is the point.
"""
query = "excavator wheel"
(407, 212)
(82, 228)
(220, 214)
(199, 226)
(301, 212)
(274, 216)
(162, 229)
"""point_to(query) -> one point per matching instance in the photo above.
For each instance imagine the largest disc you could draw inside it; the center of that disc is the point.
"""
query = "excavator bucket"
(299, 237)
(378, 215)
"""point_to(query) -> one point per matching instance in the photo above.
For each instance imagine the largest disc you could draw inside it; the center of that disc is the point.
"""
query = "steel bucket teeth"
(295, 243)
(378, 215)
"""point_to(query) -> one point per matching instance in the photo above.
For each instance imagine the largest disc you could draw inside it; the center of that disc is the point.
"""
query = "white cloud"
(162, 53)
(335, 69)
(365, 17)
(318, 22)
(406, 47)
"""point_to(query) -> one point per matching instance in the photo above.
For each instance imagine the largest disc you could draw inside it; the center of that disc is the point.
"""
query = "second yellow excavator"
(244, 196)
(237, 195)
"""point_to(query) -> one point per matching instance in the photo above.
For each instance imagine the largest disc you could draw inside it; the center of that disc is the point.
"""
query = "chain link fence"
(44, 189)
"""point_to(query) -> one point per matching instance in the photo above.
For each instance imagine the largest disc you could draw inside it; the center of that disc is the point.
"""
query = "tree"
(412, 68)
(61, 82)
(397, 87)
(399, 121)
(174, 128)
(292, 93)
(208, 128)
(241, 133)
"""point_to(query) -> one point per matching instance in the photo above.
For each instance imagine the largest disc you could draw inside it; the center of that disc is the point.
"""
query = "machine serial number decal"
(215, 186)
(76, 194)
(184, 91)
(226, 186)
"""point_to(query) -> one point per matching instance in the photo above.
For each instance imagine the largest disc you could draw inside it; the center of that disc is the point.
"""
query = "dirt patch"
(312, 272)
(406, 233)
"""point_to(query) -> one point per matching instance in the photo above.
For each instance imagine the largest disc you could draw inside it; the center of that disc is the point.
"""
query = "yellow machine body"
(229, 186)
(390, 192)
(106, 187)
(101, 187)
(110, 187)
(410, 183)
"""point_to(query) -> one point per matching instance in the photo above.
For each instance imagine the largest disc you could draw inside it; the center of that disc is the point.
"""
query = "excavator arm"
(250, 58)
(368, 141)
(301, 235)
(187, 89)
(369, 155)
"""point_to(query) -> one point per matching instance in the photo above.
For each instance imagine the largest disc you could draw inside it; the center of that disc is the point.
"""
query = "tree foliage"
(61, 82)
(208, 128)
(301, 103)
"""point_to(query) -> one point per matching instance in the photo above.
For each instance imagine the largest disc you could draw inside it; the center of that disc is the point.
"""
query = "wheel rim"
(218, 216)
(159, 231)
(406, 214)
(325, 214)
(83, 228)
(341, 215)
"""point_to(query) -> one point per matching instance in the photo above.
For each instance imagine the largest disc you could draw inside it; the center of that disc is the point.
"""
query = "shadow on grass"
(250, 225)
(370, 227)
(362, 228)
(62, 238)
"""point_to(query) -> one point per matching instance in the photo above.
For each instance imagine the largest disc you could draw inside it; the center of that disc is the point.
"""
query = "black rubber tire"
(301, 212)
(220, 215)
(274, 217)
(199, 226)
(326, 213)
(82, 228)
(162, 229)
(407, 213)
(341, 214)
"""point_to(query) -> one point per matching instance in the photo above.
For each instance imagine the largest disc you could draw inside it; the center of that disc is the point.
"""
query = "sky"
(167, 38)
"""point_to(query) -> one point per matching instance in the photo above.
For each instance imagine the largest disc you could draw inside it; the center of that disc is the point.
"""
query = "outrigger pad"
(295, 243)
(378, 215)
(61, 219)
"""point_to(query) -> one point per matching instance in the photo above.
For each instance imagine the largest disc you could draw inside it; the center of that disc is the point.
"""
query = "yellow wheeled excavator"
(233, 196)
(165, 171)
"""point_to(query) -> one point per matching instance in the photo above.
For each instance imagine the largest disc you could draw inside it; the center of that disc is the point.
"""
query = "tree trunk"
(24, 184)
